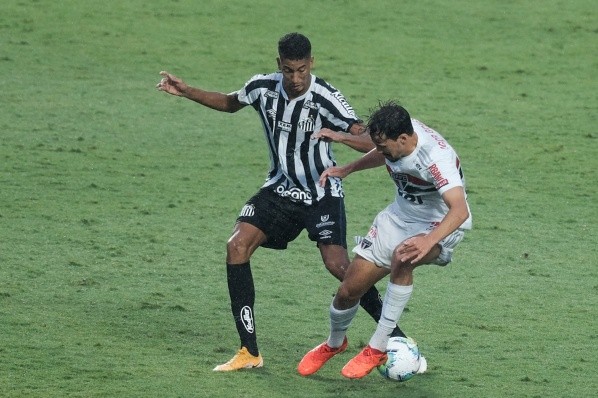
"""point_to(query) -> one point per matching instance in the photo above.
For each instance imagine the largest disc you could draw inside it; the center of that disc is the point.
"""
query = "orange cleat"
(362, 364)
(316, 358)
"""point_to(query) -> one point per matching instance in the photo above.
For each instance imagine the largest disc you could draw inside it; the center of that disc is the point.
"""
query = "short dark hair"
(390, 120)
(294, 46)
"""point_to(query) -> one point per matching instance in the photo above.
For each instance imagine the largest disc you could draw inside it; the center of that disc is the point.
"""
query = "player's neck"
(411, 145)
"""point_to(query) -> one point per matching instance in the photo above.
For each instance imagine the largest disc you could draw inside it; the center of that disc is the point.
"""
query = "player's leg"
(401, 276)
(400, 287)
(251, 230)
(360, 276)
(397, 295)
(244, 240)
(370, 299)
(326, 224)
(377, 247)
(374, 354)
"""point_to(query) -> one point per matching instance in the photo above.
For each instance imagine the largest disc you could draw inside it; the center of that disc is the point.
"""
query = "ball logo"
(247, 318)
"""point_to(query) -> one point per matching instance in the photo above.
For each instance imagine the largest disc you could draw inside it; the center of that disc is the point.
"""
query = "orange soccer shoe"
(362, 364)
(316, 358)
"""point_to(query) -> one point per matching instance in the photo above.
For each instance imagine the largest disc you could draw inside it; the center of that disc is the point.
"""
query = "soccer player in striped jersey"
(301, 115)
(422, 225)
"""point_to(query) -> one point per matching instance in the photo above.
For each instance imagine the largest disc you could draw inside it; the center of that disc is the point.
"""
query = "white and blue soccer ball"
(403, 361)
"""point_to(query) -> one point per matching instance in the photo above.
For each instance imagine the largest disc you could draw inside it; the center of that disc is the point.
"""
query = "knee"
(237, 248)
(396, 258)
(346, 297)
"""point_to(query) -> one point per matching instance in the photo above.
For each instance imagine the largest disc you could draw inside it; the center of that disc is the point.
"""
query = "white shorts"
(388, 231)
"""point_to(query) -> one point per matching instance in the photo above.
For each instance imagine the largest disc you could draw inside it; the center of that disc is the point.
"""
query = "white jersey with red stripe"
(424, 175)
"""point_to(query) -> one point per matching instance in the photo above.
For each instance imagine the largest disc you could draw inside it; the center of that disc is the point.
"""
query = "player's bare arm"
(415, 249)
(358, 138)
(214, 100)
(368, 161)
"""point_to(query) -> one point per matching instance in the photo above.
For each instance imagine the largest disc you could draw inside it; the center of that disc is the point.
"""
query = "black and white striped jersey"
(296, 160)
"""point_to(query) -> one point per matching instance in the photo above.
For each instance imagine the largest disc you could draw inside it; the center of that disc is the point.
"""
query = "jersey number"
(411, 198)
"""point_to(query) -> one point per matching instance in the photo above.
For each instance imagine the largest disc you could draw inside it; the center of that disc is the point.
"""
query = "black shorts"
(282, 220)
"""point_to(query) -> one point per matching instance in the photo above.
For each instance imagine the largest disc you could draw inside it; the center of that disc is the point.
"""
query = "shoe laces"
(325, 348)
(373, 353)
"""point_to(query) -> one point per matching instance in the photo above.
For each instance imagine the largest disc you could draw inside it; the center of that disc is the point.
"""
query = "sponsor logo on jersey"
(440, 181)
(247, 211)
(325, 221)
(271, 94)
(311, 105)
(344, 102)
(293, 193)
(247, 318)
(284, 126)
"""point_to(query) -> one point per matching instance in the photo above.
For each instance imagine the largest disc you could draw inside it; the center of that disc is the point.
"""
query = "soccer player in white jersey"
(422, 225)
(301, 115)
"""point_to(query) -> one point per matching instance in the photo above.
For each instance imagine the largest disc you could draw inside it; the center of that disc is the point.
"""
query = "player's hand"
(414, 249)
(329, 135)
(333, 171)
(171, 84)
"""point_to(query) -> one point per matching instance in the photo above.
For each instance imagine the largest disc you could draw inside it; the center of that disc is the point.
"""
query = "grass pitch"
(116, 200)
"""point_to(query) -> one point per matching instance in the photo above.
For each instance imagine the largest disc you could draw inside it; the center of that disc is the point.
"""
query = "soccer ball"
(403, 359)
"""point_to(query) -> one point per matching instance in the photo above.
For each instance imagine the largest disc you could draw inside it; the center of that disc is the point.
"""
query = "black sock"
(242, 298)
(372, 303)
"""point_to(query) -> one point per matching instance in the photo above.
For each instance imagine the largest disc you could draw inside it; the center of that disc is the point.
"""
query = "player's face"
(392, 150)
(296, 75)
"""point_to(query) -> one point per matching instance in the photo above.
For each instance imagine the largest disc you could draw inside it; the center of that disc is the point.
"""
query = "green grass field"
(116, 200)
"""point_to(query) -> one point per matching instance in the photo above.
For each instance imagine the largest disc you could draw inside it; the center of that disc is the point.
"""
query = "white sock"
(339, 323)
(395, 300)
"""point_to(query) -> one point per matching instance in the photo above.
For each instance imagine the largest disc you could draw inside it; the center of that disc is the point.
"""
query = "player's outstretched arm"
(370, 160)
(359, 139)
(215, 100)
